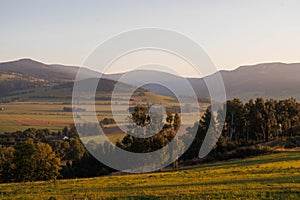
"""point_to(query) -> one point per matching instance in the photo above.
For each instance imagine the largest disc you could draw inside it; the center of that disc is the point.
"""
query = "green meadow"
(274, 176)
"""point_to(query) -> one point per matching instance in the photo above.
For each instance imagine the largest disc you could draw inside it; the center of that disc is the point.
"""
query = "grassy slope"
(275, 176)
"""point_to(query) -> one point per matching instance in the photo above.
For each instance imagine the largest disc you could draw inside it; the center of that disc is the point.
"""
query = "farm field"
(274, 176)
(41, 114)
(20, 116)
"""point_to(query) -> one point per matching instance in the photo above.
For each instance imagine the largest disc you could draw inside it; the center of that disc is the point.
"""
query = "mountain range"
(268, 80)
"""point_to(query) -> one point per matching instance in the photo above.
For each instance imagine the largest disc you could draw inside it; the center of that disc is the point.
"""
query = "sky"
(233, 32)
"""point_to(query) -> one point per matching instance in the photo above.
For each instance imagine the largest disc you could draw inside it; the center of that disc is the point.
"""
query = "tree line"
(245, 124)
(33, 154)
(261, 120)
(37, 154)
(251, 123)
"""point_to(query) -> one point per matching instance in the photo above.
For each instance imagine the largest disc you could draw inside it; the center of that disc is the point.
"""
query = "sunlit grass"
(274, 176)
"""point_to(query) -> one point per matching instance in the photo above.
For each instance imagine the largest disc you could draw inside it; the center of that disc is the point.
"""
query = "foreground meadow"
(275, 176)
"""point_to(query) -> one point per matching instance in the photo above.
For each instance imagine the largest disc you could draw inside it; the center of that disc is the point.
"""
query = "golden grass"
(275, 176)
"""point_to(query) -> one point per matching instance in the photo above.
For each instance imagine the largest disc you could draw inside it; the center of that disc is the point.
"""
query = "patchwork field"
(20, 116)
(49, 114)
(275, 176)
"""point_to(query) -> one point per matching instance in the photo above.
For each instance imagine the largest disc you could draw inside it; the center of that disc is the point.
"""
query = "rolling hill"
(274, 176)
(268, 80)
(27, 74)
(50, 73)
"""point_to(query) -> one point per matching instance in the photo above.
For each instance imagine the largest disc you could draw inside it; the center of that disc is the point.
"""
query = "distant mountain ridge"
(26, 74)
(268, 80)
(53, 73)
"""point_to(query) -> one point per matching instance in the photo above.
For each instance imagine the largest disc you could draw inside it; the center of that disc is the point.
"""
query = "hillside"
(51, 73)
(275, 176)
(27, 78)
(269, 80)
(29, 74)
(64, 91)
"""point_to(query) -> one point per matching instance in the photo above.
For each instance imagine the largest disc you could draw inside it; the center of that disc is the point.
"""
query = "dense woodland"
(32, 154)
(247, 124)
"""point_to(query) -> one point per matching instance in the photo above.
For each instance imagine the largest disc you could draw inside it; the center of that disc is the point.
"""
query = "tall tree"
(77, 150)
(201, 128)
(47, 164)
(234, 121)
(6, 164)
(34, 162)
(25, 161)
(287, 113)
(249, 112)
(271, 121)
(260, 119)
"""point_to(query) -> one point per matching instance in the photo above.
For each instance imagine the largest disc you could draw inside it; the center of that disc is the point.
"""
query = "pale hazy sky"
(233, 33)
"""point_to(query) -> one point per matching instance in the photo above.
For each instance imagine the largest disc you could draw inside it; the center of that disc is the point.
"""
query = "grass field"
(275, 176)
(49, 114)
(20, 116)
